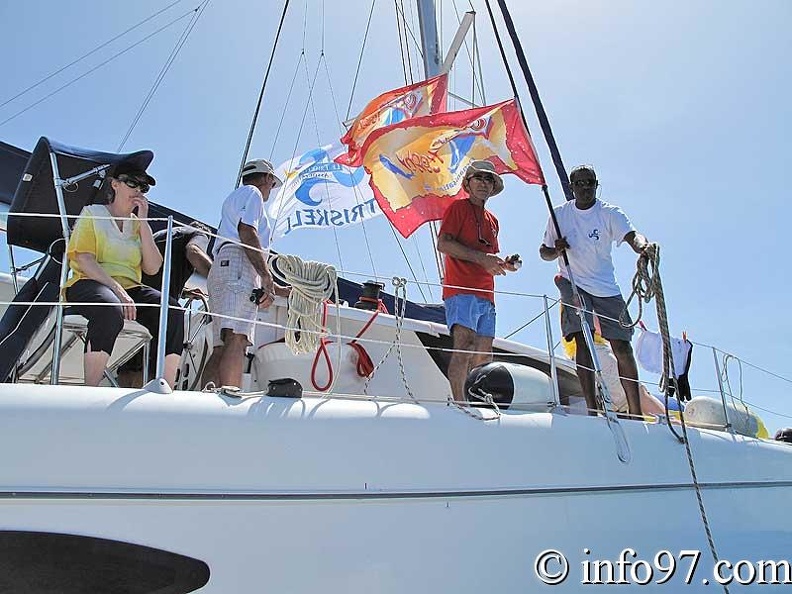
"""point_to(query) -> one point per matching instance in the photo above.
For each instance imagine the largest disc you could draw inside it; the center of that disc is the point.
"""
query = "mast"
(430, 47)
(430, 44)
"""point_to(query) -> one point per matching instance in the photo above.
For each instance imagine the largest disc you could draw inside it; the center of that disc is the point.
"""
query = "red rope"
(322, 350)
(364, 366)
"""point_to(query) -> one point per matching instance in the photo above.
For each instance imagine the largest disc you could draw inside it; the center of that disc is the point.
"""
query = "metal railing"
(548, 304)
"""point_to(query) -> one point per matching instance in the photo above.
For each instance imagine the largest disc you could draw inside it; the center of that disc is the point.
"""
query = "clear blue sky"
(683, 107)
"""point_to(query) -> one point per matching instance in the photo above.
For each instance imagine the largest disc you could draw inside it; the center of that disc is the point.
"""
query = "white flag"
(319, 193)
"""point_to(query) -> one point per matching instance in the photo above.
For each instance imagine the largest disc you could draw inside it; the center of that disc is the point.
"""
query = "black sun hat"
(133, 170)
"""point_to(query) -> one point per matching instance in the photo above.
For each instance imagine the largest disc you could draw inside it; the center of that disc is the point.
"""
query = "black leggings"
(105, 322)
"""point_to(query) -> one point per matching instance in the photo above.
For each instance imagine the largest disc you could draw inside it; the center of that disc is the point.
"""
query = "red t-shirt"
(463, 220)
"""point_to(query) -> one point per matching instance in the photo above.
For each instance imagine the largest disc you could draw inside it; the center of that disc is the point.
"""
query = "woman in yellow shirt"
(109, 249)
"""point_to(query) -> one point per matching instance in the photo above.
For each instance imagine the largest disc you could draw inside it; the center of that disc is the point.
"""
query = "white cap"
(261, 166)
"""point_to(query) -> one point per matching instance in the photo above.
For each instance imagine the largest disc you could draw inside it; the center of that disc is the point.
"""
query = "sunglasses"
(481, 240)
(134, 183)
(585, 183)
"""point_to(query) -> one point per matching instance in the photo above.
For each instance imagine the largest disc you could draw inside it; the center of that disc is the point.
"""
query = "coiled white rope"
(312, 283)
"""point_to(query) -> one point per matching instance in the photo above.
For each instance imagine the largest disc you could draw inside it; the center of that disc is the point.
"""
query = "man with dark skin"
(589, 227)
(469, 239)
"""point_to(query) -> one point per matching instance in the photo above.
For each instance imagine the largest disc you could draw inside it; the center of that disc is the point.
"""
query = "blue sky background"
(683, 107)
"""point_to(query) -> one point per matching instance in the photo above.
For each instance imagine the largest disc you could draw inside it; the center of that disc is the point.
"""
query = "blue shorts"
(472, 312)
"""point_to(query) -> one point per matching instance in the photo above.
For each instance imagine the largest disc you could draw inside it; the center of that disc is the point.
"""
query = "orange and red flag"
(423, 98)
(417, 165)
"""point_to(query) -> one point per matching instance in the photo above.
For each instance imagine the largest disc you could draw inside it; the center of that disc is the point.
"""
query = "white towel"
(649, 352)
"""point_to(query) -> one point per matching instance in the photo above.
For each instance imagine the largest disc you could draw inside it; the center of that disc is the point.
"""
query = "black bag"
(286, 387)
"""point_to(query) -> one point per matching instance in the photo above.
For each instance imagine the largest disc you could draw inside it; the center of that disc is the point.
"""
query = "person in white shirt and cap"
(240, 267)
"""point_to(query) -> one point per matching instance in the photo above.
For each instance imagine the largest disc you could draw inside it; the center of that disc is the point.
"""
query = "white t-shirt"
(590, 234)
(246, 205)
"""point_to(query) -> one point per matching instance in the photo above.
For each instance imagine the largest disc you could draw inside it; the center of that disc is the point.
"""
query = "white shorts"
(231, 281)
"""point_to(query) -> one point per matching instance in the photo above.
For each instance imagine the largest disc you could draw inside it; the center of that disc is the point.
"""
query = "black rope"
(261, 95)
(541, 114)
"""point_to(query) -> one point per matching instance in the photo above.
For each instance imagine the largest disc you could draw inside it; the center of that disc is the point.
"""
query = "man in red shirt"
(469, 239)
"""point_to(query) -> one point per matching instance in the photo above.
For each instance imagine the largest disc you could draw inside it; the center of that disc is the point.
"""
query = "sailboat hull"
(286, 495)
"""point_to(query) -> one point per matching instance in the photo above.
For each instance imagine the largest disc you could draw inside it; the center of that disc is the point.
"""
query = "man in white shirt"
(239, 267)
(588, 228)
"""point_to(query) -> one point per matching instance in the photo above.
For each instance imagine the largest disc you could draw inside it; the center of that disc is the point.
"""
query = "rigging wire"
(401, 45)
(161, 76)
(767, 410)
(423, 268)
(261, 94)
(319, 142)
(418, 47)
(283, 111)
(311, 102)
(360, 61)
(93, 51)
(407, 43)
(407, 28)
(477, 56)
(472, 58)
(83, 75)
(440, 33)
(363, 223)
(311, 84)
(357, 193)
(744, 362)
(276, 137)
(305, 23)
(407, 260)
(529, 322)
(408, 78)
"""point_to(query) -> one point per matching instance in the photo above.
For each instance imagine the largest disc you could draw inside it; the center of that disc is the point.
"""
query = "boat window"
(49, 563)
